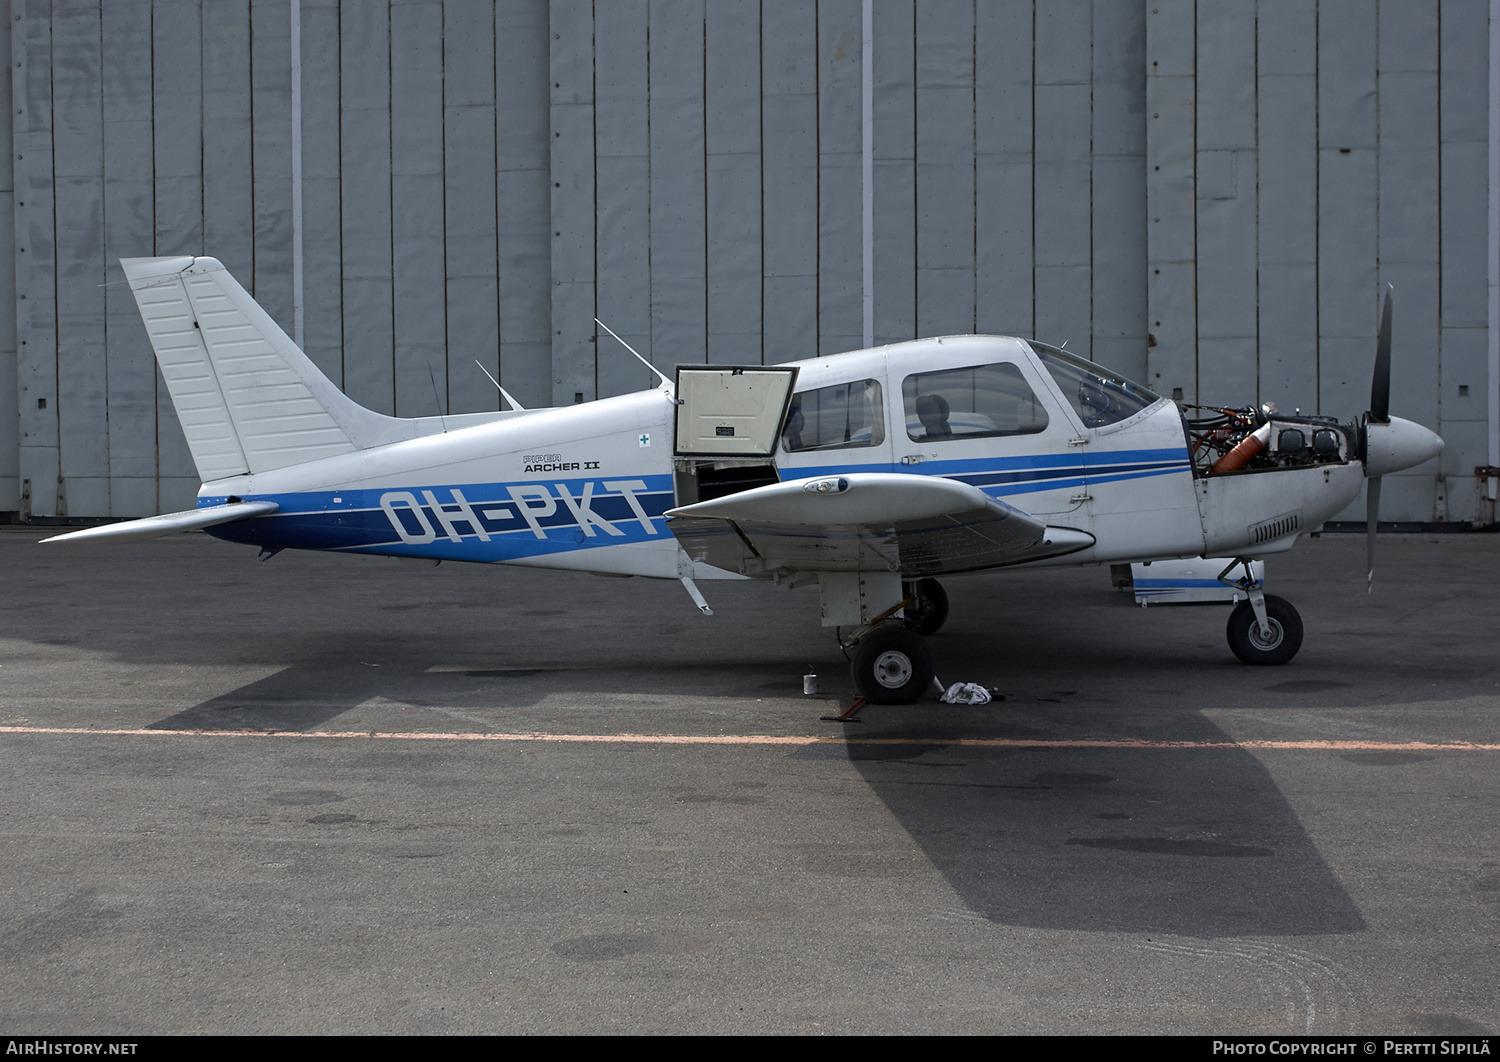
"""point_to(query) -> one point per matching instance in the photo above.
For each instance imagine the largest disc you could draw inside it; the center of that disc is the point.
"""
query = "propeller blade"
(1380, 386)
(1372, 519)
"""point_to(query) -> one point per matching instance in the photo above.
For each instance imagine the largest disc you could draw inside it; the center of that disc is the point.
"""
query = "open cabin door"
(729, 419)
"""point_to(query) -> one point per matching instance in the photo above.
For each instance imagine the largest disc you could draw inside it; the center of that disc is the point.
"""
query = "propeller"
(1379, 413)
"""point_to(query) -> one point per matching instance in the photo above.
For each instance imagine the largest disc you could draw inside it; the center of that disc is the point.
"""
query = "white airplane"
(868, 473)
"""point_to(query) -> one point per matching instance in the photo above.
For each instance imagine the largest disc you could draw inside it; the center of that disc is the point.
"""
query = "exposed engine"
(1253, 439)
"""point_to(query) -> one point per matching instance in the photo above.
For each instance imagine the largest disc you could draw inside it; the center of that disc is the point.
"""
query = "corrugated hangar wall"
(1207, 196)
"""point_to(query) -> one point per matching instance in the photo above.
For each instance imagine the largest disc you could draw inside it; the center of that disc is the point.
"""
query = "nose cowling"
(1398, 444)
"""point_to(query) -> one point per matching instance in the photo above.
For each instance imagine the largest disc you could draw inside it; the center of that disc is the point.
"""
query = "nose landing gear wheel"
(892, 666)
(929, 609)
(1251, 646)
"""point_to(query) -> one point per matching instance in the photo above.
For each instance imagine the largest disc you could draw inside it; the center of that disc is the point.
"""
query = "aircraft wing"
(170, 523)
(865, 521)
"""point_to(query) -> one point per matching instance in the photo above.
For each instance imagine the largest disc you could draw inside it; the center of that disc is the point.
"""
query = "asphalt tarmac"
(341, 794)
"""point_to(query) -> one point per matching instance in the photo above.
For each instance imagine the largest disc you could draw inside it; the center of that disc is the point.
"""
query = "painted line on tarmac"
(777, 739)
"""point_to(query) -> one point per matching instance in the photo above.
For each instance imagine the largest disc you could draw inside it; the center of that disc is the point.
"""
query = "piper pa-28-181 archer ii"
(868, 473)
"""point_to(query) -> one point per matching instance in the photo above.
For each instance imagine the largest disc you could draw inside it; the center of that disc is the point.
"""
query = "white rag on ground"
(965, 693)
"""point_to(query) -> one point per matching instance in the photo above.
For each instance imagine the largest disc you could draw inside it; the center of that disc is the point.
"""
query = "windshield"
(1099, 396)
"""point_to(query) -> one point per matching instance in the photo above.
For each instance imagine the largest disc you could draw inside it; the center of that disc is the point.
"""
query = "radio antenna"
(503, 392)
(637, 353)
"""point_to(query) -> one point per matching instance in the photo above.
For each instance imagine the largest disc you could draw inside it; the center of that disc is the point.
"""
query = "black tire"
(892, 666)
(1286, 632)
(929, 609)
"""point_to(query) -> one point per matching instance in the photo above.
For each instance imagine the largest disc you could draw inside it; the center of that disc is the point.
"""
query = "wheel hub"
(893, 669)
(1261, 642)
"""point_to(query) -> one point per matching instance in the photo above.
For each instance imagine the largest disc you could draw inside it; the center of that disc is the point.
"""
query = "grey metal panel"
(1463, 366)
(573, 203)
(1466, 199)
(894, 150)
(791, 327)
(624, 290)
(1062, 299)
(1464, 132)
(522, 195)
(178, 185)
(1348, 281)
(78, 164)
(228, 196)
(789, 175)
(573, 206)
(732, 140)
(1003, 35)
(470, 222)
(679, 312)
(840, 181)
(418, 281)
(36, 311)
(130, 231)
(1464, 60)
(622, 147)
(1170, 198)
(945, 167)
(1225, 182)
(1226, 78)
(1063, 35)
(322, 253)
(621, 78)
(1287, 184)
(1118, 295)
(1464, 184)
(1063, 215)
(10, 432)
(1348, 295)
(1409, 216)
(734, 258)
(1119, 78)
(1288, 331)
(1287, 36)
(1346, 74)
(177, 101)
(1226, 369)
(365, 203)
(271, 145)
(1118, 285)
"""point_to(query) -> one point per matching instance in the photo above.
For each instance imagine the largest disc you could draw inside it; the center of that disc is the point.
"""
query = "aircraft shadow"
(1196, 842)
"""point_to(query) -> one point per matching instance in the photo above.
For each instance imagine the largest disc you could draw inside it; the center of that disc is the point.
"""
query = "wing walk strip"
(782, 739)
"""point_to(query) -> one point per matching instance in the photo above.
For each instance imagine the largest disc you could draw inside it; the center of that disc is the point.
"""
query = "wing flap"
(170, 523)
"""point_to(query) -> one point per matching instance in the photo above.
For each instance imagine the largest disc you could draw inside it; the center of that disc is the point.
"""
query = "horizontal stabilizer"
(170, 523)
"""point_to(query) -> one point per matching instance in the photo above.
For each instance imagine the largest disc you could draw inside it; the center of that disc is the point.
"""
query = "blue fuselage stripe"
(508, 521)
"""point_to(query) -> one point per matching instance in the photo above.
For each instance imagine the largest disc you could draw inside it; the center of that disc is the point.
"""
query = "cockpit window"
(1099, 396)
(971, 403)
(835, 418)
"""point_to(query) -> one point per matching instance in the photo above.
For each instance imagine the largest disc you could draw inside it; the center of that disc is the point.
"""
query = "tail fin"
(248, 399)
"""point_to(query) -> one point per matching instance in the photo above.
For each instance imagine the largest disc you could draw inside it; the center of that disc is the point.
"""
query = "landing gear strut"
(890, 662)
(928, 610)
(1263, 629)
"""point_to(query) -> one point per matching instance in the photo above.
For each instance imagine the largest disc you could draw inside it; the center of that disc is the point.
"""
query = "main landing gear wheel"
(929, 608)
(1248, 643)
(892, 666)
